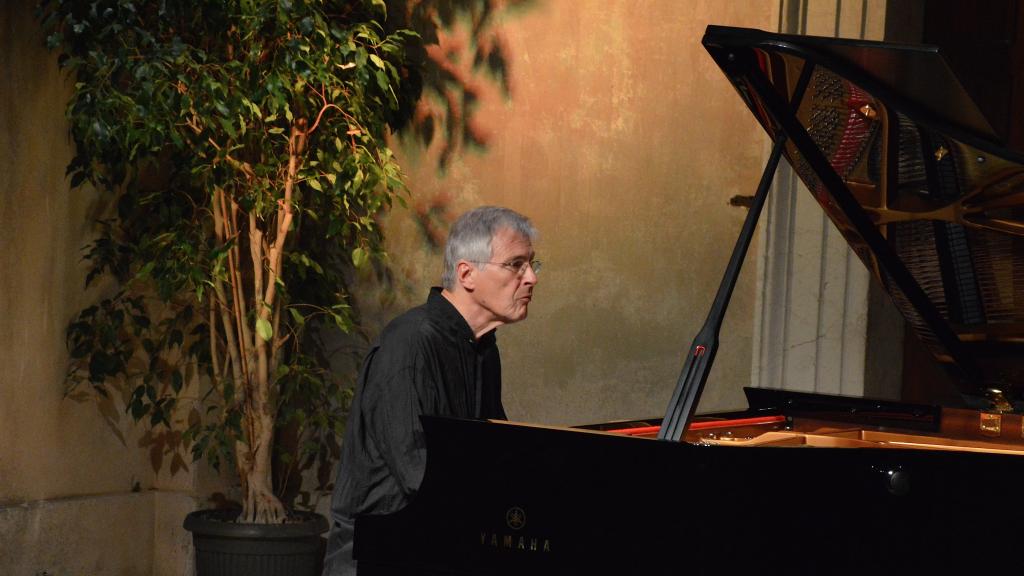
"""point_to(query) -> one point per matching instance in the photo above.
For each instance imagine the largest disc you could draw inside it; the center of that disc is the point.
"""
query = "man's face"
(500, 289)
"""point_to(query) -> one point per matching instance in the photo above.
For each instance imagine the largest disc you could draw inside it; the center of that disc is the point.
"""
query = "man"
(438, 359)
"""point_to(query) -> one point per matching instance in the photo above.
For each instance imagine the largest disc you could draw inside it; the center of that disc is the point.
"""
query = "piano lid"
(912, 175)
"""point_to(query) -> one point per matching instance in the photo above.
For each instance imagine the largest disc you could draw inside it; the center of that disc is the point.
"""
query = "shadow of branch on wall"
(463, 51)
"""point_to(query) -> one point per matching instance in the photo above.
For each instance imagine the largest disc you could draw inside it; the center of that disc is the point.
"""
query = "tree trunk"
(260, 505)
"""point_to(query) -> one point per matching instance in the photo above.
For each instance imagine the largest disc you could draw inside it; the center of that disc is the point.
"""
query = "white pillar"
(811, 313)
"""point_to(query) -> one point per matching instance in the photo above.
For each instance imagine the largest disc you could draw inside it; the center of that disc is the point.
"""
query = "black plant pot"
(228, 548)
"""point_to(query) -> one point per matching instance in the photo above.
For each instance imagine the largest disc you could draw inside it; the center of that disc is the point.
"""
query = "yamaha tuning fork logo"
(515, 518)
(515, 539)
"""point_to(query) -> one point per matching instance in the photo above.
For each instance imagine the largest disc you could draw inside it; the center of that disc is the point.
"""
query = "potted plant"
(241, 145)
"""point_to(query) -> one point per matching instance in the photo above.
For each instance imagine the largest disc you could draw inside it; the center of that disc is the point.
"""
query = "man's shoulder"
(413, 327)
(409, 342)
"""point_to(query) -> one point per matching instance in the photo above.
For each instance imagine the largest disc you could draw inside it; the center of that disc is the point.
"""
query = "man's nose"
(530, 276)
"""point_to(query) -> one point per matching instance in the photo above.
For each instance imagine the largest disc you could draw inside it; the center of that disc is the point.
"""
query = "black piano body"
(506, 498)
(908, 170)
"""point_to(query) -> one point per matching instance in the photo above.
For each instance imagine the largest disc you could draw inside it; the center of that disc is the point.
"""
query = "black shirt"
(426, 361)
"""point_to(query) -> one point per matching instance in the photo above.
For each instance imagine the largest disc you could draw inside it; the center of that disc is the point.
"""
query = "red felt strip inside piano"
(706, 425)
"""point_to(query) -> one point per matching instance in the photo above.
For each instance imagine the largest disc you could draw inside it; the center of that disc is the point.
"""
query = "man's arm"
(396, 429)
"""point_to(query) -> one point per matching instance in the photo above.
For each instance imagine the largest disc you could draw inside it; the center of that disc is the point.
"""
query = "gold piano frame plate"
(858, 438)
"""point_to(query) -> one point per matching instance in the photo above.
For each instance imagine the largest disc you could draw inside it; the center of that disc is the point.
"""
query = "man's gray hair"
(470, 237)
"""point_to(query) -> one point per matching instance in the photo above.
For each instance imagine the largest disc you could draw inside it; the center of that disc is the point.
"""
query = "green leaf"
(77, 179)
(360, 257)
(101, 366)
(264, 329)
(315, 184)
(226, 124)
(377, 60)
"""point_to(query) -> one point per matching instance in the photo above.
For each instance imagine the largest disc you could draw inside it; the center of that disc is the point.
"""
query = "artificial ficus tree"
(242, 146)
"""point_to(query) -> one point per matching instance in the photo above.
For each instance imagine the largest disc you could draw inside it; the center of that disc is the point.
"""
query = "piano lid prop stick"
(702, 351)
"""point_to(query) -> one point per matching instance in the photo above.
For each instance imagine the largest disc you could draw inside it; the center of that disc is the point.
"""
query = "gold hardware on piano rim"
(990, 423)
(940, 153)
(998, 400)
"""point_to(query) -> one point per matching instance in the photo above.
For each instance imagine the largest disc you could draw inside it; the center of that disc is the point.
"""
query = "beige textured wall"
(624, 142)
(67, 504)
(43, 229)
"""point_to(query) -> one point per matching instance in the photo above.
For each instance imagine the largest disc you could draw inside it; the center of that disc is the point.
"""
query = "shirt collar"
(454, 323)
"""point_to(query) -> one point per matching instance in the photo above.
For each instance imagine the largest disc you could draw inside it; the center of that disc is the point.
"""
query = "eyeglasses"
(517, 266)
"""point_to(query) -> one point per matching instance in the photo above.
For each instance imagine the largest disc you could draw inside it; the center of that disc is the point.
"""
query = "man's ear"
(465, 275)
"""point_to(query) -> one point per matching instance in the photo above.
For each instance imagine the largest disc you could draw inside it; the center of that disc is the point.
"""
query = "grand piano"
(914, 178)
